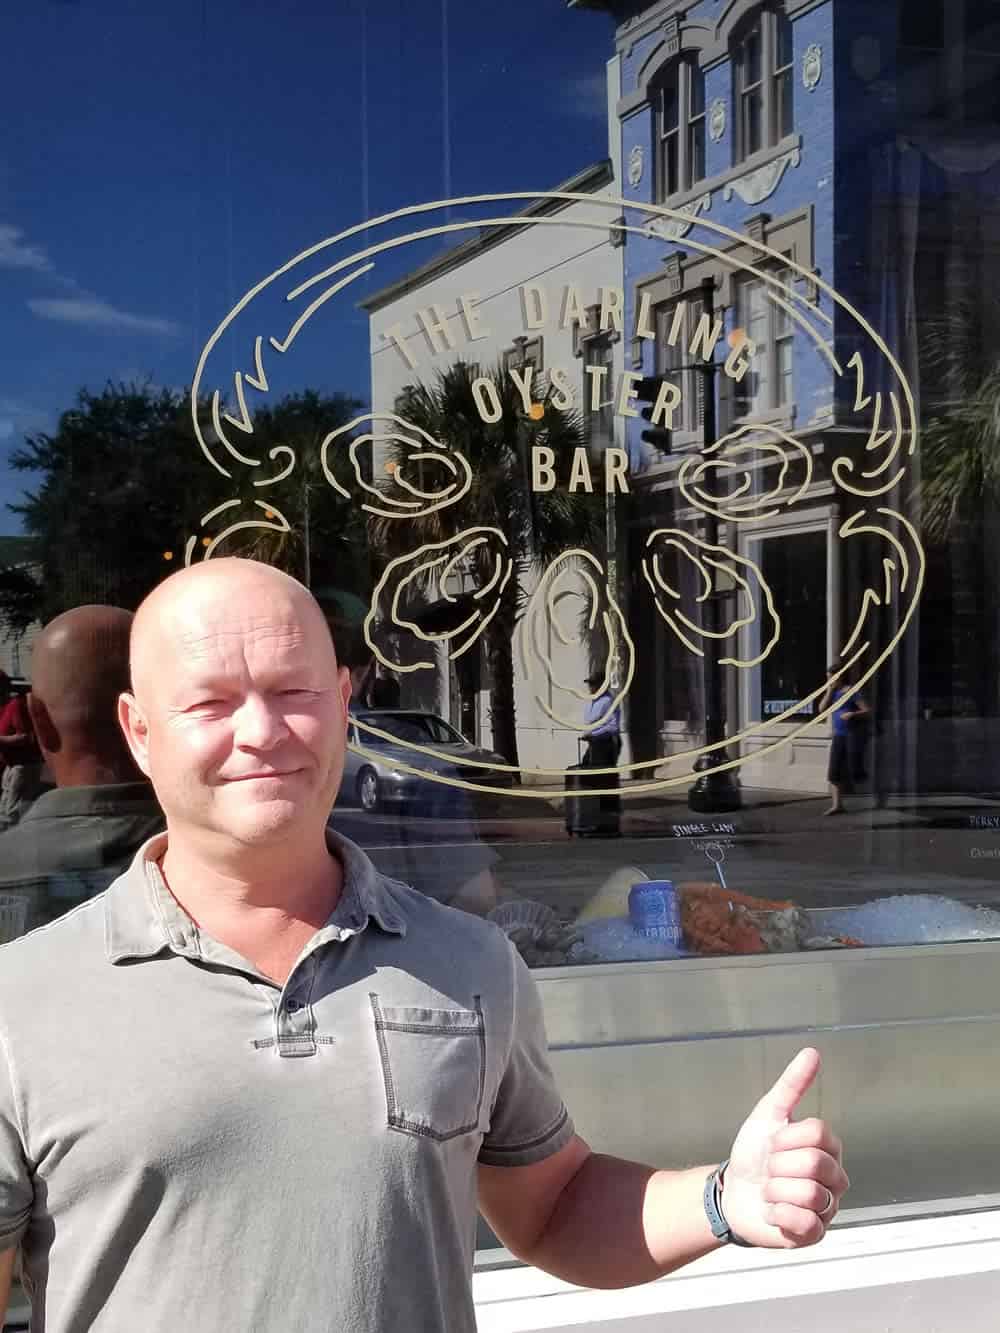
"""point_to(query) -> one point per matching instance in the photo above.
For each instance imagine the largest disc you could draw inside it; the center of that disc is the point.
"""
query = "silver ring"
(823, 1213)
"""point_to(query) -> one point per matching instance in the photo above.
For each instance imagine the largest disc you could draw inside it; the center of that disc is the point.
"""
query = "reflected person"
(77, 837)
(846, 746)
(315, 1073)
(604, 742)
(20, 763)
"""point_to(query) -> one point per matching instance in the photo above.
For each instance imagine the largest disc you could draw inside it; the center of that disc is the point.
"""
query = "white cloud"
(76, 305)
(96, 314)
(16, 253)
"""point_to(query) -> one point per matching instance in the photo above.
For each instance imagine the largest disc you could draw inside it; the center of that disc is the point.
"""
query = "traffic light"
(746, 391)
(651, 390)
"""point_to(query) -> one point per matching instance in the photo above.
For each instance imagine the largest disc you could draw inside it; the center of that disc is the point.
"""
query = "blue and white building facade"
(744, 115)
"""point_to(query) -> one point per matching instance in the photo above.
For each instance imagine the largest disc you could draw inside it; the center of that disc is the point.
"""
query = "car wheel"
(368, 790)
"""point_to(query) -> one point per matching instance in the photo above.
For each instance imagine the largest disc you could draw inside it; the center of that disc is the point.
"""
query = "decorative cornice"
(674, 229)
(761, 183)
(723, 178)
(703, 33)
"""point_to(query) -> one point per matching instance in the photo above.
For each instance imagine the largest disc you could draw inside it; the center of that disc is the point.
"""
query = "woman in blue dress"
(845, 716)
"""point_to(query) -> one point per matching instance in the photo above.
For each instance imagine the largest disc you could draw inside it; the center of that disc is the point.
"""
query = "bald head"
(238, 709)
(182, 605)
(79, 668)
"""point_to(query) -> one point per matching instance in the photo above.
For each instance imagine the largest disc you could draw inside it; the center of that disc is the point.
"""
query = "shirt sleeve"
(529, 1121)
(16, 1190)
(8, 717)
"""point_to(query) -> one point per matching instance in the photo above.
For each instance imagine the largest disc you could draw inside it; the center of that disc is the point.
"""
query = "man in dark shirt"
(75, 839)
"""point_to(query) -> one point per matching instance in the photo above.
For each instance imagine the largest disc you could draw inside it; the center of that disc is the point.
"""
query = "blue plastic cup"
(654, 911)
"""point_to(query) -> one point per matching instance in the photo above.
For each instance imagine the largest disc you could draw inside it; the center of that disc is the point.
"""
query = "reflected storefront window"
(627, 399)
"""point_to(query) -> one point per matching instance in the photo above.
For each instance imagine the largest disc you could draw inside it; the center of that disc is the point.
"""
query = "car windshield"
(413, 728)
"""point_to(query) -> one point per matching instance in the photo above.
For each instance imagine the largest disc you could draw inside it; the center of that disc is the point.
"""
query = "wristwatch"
(721, 1229)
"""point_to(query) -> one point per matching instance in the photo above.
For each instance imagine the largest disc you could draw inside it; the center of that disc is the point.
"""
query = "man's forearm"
(7, 1263)
(619, 1223)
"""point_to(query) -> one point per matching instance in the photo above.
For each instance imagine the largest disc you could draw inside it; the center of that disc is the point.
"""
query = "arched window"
(762, 82)
(679, 117)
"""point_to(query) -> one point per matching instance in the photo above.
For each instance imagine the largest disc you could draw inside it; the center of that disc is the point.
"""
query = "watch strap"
(721, 1229)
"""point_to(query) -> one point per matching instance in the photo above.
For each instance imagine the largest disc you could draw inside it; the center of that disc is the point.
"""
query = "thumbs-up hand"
(784, 1181)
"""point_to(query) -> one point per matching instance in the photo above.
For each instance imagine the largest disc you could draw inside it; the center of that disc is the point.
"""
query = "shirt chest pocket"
(433, 1067)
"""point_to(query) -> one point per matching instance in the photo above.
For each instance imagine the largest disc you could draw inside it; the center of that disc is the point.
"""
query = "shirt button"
(293, 1006)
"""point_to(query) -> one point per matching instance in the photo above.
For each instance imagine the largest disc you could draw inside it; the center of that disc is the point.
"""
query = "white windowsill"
(901, 1277)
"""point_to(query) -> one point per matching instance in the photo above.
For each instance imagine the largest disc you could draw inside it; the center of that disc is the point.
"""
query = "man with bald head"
(265, 1087)
(75, 839)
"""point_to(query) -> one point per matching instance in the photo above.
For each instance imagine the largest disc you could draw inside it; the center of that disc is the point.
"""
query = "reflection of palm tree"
(537, 526)
(961, 459)
(327, 537)
(960, 482)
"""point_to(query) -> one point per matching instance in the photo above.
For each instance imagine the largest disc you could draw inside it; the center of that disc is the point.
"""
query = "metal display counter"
(661, 1061)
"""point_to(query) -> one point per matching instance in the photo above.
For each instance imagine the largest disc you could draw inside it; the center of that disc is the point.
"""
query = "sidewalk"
(763, 812)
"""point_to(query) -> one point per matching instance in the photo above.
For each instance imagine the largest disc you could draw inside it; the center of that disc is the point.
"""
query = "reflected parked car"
(380, 778)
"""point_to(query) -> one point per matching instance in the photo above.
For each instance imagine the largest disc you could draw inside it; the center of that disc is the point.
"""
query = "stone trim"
(709, 38)
(680, 271)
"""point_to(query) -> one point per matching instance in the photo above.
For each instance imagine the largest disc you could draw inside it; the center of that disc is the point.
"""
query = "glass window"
(600, 424)
(763, 82)
(677, 325)
(593, 664)
(762, 313)
(525, 352)
(417, 727)
(784, 82)
(795, 569)
(680, 127)
(749, 91)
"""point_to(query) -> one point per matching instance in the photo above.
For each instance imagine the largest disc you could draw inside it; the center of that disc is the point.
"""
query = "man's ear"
(346, 687)
(133, 723)
(45, 730)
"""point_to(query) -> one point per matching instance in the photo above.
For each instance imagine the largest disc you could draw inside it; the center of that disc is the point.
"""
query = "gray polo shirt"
(185, 1144)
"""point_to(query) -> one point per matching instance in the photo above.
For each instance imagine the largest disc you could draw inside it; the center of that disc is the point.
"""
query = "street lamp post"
(715, 791)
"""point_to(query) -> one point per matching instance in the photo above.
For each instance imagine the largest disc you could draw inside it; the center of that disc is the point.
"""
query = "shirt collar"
(142, 917)
(113, 798)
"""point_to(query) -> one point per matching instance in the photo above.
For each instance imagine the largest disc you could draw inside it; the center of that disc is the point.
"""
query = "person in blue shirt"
(604, 743)
(850, 713)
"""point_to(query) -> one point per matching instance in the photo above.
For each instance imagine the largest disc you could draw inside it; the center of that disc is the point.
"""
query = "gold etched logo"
(758, 474)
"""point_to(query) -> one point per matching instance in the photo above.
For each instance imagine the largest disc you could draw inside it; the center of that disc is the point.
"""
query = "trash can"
(591, 816)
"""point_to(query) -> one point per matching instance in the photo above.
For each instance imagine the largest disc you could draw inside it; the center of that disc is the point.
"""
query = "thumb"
(780, 1103)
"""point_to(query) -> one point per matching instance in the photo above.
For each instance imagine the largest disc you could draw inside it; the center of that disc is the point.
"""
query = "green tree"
(537, 526)
(122, 485)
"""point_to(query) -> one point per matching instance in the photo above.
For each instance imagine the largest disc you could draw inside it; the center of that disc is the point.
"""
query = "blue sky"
(162, 156)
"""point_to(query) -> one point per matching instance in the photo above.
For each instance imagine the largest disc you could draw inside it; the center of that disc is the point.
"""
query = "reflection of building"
(781, 121)
(857, 145)
(515, 278)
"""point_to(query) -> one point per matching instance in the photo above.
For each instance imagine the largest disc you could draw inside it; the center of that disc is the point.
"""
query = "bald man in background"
(76, 838)
(257, 1085)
